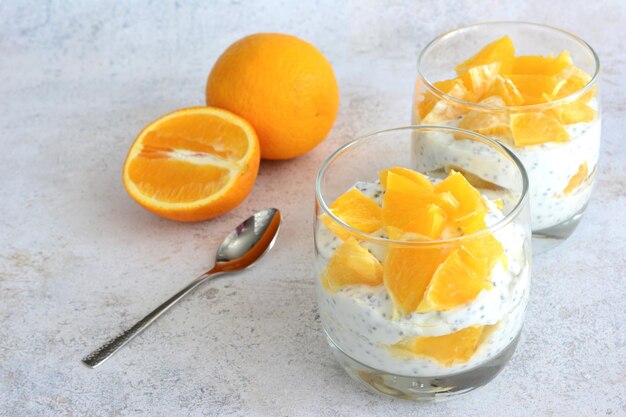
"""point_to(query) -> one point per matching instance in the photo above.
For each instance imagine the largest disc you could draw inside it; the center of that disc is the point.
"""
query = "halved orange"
(192, 164)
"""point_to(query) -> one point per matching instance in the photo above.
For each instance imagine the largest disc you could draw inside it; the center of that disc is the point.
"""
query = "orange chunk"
(470, 200)
(574, 79)
(416, 177)
(577, 179)
(537, 64)
(428, 221)
(575, 112)
(535, 87)
(352, 264)
(485, 248)
(479, 79)
(404, 199)
(506, 90)
(489, 123)
(447, 350)
(456, 281)
(536, 128)
(356, 210)
(500, 51)
(407, 272)
(443, 109)
(430, 100)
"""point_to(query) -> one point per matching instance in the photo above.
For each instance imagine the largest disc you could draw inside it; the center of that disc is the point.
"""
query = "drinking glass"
(469, 343)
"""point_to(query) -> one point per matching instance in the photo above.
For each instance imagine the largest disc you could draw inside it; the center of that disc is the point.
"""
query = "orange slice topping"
(447, 350)
(352, 264)
(458, 280)
(577, 179)
(501, 52)
(537, 128)
(356, 210)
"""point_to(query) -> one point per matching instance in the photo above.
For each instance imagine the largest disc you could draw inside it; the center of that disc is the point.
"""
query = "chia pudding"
(360, 320)
(550, 166)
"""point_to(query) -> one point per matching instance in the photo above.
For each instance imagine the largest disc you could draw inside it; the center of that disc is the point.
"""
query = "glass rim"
(477, 106)
(504, 221)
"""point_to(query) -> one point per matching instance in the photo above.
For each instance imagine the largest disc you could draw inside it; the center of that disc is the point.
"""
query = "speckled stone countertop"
(79, 259)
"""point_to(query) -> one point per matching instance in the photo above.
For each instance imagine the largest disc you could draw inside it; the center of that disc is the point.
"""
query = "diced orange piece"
(536, 128)
(537, 64)
(395, 233)
(427, 221)
(352, 264)
(489, 123)
(416, 177)
(577, 179)
(575, 79)
(428, 102)
(486, 248)
(449, 349)
(575, 112)
(403, 200)
(500, 51)
(479, 79)
(506, 90)
(356, 210)
(534, 86)
(470, 200)
(407, 272)
(443, 109)
(455, 282)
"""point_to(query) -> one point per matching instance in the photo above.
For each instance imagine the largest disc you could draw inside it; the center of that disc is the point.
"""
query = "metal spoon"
(239, 250)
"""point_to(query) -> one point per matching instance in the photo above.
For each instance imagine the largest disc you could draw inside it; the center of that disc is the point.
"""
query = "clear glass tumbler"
(556, 134)
(382, 295)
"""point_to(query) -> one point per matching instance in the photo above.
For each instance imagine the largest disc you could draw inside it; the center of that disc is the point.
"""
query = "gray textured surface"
(79, 259)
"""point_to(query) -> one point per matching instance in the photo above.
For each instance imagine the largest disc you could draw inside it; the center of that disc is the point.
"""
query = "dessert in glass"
(423, 271)
(533, 88)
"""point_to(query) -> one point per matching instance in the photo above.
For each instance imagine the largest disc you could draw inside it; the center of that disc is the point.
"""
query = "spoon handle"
(107, 350)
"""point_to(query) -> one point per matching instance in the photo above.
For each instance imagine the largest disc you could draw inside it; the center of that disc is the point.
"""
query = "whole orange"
(283, 86)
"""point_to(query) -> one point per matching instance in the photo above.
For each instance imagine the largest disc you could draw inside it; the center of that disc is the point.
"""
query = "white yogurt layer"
(359, 320)
(550, 166)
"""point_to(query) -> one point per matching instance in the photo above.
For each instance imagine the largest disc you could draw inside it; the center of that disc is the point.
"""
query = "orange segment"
(575, 112)
(479, 79)
(575, 79)
(352, 264)
(407, 272)
(416, 177)
(536, 128)
(193, 164)
(546, 65)
(456, 281)
(404, 199)
(577, 179)
(426, 105)
(470, 200)
(427, 221)
(488, 123)
(500, 51)
(535, 87)
(506, 90)
(356, 210)
(438, 110)
(448, 350)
